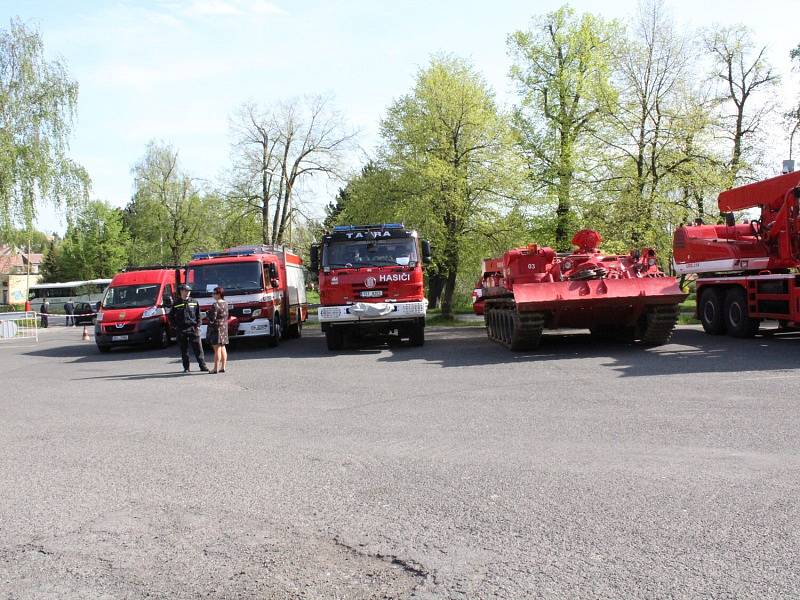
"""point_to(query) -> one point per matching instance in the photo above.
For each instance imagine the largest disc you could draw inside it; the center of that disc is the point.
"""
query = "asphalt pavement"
(455, 470)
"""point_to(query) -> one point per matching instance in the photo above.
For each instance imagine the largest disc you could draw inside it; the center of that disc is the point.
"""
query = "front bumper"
(144, 332)
(254, 328)
(373, 311)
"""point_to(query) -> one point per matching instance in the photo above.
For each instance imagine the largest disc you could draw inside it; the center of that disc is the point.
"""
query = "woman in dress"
(218, 330)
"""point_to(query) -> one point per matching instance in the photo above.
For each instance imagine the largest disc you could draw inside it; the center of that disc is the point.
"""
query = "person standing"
(218, 330)
(69, 310)
(185, 317)
(43, 312)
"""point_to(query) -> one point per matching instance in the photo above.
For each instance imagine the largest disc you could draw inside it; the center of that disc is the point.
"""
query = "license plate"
(372, 294)
(119, 338)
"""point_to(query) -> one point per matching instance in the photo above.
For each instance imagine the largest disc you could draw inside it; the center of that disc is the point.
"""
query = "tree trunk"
(564, 191)
(285, 213)
(264, 197)
(736, 157)
(451, 262)
(449, 291)
(435, 286)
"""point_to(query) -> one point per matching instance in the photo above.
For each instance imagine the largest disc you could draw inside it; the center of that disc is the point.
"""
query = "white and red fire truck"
(264, 287)
(371, 283)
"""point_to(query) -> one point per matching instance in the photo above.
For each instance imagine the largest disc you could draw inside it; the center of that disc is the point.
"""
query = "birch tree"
(38, 102)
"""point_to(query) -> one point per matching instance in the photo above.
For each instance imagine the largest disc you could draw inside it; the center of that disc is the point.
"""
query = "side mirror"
(166, 301)
(426, 251)
(273, 271)
(314, 256)
(730, 219)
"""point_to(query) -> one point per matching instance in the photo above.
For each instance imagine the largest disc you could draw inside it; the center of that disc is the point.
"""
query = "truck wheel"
(334, 338)
(103, 348)
(296, 330)
(737, 317)
(276, 333)
(286, 332)
(711, 310)
(417, 334)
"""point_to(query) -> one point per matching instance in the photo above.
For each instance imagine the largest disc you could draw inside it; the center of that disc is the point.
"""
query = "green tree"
(95, 245)
(562, 68)
(52, 267)
(449, 149)
(23, 238)
(37, 110)
(167, 219)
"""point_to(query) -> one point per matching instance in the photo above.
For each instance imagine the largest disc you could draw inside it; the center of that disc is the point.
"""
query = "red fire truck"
(371, 283)
(746, 272)
(264, 287)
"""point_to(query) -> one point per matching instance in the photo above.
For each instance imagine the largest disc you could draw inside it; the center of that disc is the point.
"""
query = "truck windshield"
(370, 253)
(131, 296)
(234, 277)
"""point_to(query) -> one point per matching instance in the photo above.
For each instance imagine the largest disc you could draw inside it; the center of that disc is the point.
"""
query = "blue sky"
(176, 69)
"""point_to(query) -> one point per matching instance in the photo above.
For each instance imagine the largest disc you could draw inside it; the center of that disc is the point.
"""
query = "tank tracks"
(523, 331)
(514, 330)
(657, 324)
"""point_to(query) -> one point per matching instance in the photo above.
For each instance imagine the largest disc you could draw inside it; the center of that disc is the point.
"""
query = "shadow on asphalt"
(142, 376)
(691, 351)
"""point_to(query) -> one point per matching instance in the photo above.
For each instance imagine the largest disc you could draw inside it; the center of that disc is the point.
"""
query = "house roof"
(11, 262)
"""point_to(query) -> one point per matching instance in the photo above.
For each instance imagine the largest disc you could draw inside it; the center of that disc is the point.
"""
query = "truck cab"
(135, 306)
(264, 288)
(371, 283)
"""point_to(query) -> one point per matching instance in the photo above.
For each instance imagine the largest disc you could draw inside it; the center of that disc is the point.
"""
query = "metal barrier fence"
(19, 325)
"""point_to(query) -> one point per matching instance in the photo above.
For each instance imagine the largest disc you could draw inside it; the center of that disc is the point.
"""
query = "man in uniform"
(185, 316)
(44, 311)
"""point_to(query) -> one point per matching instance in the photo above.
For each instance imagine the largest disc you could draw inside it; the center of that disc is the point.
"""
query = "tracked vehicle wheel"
(657, 324)
(514, 330)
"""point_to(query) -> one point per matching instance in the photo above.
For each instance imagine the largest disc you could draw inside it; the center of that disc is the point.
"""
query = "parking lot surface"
(455, 470)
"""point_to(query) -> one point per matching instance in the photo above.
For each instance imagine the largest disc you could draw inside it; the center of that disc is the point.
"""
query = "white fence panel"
(19, 325)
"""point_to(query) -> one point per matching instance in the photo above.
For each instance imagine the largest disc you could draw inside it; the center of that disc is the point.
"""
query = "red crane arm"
(770, 192)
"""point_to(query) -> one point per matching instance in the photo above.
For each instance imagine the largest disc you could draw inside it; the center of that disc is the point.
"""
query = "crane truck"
(746, 272)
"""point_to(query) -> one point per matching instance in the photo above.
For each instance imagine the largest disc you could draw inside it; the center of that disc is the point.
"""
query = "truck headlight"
(256, 313)
(151, 312)
(99, 316)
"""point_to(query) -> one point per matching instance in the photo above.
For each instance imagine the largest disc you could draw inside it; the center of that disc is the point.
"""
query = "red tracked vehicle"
(746, 272)
(621, 297)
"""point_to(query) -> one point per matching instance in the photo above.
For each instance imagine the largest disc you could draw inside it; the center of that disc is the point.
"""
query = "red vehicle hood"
(115, 315)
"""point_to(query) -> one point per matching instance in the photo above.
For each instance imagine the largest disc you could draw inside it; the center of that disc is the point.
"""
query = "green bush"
(4, 308)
